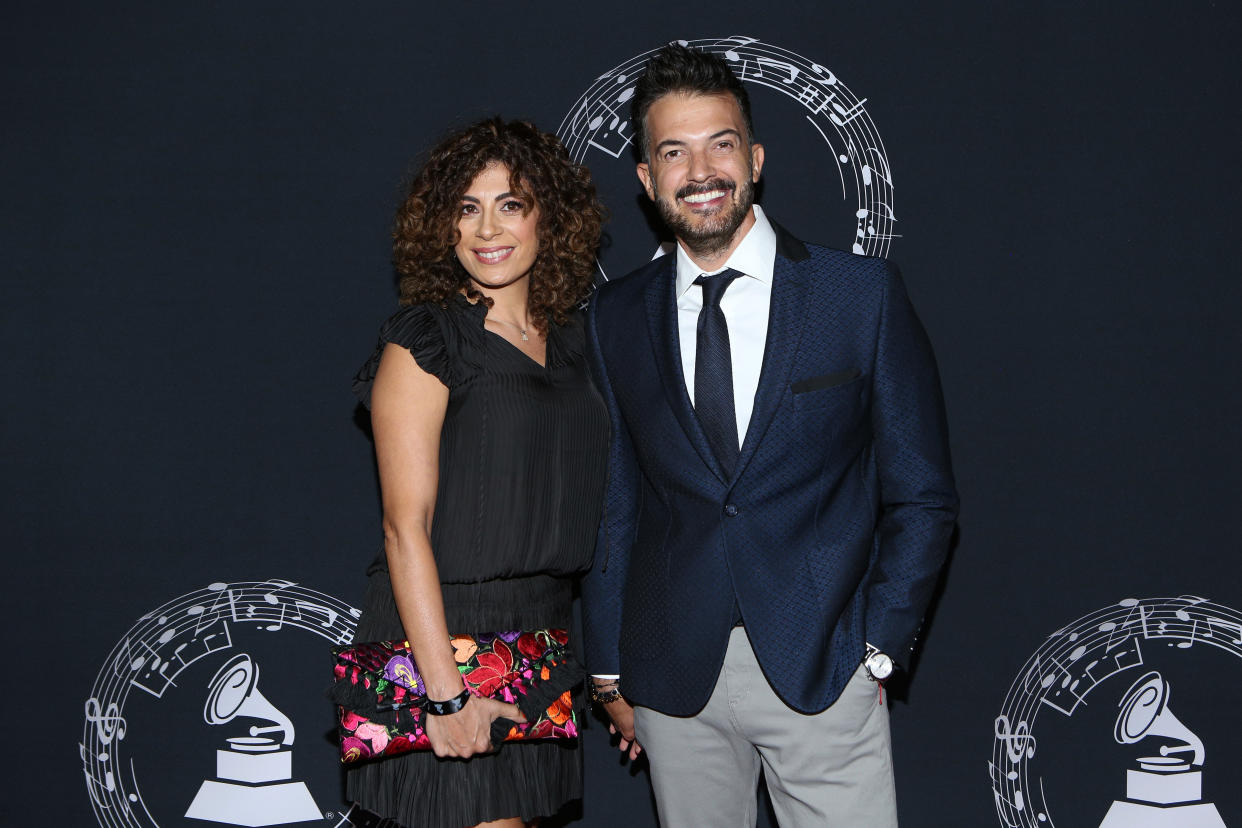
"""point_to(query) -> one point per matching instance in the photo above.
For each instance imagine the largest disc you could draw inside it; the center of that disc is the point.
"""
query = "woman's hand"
(468, 732)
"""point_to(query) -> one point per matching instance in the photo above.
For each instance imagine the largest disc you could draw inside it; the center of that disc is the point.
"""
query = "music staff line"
(147, 645)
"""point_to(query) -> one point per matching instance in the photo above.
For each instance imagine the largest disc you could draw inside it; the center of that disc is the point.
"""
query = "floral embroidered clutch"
(378, 690)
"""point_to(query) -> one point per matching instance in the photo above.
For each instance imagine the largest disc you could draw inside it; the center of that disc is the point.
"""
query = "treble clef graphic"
(109, 724)
(1017, 740)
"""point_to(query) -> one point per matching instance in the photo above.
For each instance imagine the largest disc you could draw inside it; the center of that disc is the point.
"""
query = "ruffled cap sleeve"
(420, 329)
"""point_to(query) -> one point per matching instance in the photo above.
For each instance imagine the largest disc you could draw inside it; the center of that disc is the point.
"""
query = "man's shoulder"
(822, 258)
(633, 284)
(856, 271)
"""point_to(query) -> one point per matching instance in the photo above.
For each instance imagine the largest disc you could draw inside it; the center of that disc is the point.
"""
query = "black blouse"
(523, 447)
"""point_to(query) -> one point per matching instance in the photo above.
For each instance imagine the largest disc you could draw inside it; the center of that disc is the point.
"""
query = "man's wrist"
(878, 664)
(605, 689)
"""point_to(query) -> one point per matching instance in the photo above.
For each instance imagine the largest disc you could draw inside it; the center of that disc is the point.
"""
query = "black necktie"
(713, 372)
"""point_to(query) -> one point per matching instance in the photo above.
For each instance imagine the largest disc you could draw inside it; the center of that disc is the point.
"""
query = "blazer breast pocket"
(824, 390)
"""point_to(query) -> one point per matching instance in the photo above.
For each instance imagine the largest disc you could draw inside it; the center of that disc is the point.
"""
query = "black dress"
(522, 459)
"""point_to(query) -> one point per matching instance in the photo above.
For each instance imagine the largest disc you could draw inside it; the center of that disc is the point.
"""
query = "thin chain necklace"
(513, 325)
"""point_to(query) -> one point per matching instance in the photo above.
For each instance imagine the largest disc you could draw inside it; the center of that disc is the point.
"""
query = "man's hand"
(621, 715)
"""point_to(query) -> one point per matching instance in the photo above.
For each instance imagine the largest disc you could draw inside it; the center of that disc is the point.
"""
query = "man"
(780, 500)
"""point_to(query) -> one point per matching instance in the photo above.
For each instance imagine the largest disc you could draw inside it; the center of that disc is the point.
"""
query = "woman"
(491, 446)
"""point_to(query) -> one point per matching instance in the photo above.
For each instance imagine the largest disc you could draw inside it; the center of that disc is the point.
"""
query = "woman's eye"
(467, 209)
(512, 206)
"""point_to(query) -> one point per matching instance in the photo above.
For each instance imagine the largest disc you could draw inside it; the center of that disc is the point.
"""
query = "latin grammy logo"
(1166, 791)
(252, 784)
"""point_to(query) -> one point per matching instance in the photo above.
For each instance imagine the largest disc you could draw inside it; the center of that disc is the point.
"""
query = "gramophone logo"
(251, 786)
(1166, 789)
(192, 716)
(1112, 674)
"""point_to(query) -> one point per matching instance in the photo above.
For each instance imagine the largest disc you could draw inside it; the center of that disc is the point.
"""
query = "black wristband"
(604, 696)
(446, 707)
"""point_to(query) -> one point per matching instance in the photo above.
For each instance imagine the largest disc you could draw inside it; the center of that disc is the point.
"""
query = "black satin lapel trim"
(788, 246)
(666, 342)
(785, 326)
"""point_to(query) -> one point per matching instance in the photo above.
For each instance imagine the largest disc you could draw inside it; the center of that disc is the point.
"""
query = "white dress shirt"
(745, 304)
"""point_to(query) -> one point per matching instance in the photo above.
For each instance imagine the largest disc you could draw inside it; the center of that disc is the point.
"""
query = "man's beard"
(713, 234)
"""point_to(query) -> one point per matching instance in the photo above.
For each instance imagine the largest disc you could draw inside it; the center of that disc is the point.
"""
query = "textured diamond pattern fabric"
(831, 528)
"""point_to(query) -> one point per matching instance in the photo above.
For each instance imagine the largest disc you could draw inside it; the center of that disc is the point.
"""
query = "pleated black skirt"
(527, 780)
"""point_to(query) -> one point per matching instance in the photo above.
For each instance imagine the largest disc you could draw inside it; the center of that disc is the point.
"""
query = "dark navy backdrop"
(195, 255)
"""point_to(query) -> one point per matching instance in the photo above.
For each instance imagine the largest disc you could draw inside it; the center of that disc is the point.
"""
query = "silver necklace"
(513, 325)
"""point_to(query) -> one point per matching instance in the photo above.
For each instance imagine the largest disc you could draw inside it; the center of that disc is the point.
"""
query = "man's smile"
(706, 194)
(703, 198)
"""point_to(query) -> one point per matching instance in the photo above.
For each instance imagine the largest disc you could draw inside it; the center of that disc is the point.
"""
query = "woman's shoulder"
(435, 333)
(452, 324)
(412, 325)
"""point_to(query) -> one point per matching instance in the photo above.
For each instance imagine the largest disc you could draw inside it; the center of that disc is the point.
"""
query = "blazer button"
(730, 510)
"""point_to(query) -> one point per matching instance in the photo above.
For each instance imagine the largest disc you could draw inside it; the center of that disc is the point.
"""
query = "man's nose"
(700, 167)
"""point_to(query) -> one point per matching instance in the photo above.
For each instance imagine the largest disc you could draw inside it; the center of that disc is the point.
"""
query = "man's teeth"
(495, 255)
(711, 195)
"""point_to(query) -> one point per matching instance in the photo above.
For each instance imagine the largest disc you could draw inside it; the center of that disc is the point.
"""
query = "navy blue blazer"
(832, 529)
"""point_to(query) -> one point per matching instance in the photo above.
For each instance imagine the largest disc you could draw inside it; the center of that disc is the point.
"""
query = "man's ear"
(644, 175)
(756, 162)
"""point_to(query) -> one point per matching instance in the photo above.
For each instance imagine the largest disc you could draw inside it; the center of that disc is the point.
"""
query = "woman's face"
(499, 235)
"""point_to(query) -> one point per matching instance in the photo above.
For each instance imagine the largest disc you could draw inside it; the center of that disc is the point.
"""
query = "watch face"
(880, 666)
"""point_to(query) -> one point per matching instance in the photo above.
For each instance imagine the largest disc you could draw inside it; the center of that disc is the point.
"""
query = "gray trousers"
(832, 768)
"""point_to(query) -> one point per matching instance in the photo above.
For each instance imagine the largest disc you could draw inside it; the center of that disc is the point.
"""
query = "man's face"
(702, 170)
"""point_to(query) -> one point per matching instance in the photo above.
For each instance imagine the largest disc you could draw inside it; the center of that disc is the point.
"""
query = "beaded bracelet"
(604, 696)
(446, 707)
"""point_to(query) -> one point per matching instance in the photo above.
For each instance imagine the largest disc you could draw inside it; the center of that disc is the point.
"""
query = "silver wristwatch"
(879, 665)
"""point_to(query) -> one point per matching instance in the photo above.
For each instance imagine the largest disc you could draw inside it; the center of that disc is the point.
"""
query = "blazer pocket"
(826, 381)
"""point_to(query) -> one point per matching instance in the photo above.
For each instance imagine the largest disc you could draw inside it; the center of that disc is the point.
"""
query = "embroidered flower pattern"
(383, 677)
(495, 670)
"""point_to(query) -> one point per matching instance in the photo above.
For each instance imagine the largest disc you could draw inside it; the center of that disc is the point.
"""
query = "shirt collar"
(755, 256)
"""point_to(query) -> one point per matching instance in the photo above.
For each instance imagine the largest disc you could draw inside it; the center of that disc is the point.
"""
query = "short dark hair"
(681, 69)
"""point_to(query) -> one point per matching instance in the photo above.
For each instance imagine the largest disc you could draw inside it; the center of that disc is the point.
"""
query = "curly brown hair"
(541, 172)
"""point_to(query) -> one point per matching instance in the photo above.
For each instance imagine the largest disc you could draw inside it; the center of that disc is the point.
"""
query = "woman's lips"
(492, 255)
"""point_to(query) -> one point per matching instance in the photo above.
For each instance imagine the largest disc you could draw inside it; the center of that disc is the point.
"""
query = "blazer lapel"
(785, 325)
(662, 327)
